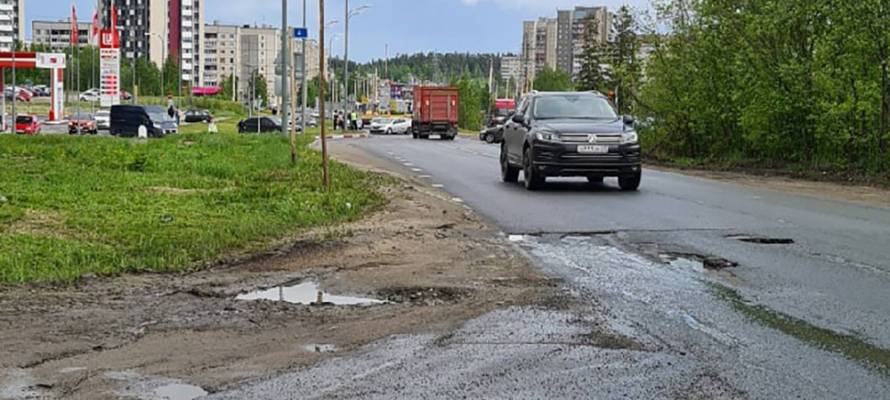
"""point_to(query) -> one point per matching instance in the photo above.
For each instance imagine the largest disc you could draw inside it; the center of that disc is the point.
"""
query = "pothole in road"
(306, 293)
(423, 296)
(760, 239)
(179, 391)
(697, 261)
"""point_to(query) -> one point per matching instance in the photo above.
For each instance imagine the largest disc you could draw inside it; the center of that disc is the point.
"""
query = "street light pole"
(285, 72)
(303, 77)
(321, 60)
(346, 59)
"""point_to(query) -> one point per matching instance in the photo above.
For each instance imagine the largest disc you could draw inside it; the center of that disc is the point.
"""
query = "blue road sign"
(301, 33)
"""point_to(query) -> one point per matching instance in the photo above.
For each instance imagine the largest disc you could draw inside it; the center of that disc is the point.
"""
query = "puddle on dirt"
(320, 348)
(307, 293)
(179, 391)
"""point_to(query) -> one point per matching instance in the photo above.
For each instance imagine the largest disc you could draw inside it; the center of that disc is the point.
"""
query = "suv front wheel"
(630, 183)
(533, 179)
(509, 173)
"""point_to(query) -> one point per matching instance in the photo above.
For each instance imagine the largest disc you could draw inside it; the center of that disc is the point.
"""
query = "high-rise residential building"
(57, 34)
(564, 45)
(161, 30)
(582, 17)
(546, 31)
(222, 53)
(511, 68)
(259, 48)
(12, 23)
(528, 54)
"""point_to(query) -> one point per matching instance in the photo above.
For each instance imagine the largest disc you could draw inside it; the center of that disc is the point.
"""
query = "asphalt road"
(807, 318)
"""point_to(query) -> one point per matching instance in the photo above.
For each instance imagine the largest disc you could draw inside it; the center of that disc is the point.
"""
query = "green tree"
(550, 80)
(474, 101)
(592, 75)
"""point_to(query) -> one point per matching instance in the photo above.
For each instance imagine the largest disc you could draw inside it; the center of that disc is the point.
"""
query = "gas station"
(30, 60)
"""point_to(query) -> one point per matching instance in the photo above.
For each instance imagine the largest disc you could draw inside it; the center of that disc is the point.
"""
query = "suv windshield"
(573, 106)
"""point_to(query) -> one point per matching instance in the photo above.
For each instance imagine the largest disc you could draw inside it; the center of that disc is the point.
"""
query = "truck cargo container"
(436, 111)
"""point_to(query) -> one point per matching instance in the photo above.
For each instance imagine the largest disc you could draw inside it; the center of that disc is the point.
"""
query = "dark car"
(259, 125)
(128, 120)
(570, 134)
(162, 118)
(192, 116)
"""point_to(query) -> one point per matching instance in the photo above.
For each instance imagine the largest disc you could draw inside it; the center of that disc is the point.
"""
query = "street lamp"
(349, 15)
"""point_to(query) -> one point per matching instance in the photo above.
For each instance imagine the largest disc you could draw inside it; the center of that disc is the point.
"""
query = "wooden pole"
(321, 87)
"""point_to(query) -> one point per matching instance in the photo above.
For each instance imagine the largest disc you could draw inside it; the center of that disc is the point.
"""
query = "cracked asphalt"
(642, 316)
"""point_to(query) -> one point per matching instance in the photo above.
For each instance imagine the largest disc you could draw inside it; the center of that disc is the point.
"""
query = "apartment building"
(259, 50)
(511, 68)
(12, 23)
(222, 53)
(57, 34)
(581, 18)
(160, 30)
(558, 43)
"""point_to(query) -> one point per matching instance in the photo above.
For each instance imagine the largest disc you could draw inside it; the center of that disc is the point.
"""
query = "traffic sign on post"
(301, 33)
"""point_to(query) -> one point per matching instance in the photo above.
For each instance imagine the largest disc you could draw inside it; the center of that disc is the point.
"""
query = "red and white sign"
(50, 60)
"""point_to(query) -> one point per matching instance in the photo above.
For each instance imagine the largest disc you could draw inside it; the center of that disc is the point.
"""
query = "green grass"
(78, 205)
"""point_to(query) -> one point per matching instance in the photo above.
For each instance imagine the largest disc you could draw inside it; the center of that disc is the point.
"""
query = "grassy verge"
(77, 205)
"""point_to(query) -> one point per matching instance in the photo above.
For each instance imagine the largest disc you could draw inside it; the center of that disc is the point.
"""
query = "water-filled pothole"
(307, 293)
(696, 261)
(760, 239)
(179, 391)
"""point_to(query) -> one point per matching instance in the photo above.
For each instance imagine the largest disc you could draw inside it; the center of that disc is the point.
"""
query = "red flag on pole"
(94, 30)
(74, 31)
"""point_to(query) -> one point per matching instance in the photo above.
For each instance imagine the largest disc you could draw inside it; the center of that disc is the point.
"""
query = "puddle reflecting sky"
(305, 293)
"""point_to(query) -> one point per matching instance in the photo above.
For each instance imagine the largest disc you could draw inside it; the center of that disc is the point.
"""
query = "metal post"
(346, 60)
(14, 91)
(303, 77)
(285, 72)
(324, 143)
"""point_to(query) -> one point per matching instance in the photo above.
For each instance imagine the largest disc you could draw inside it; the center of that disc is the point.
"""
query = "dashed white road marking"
(424, 176)
(438, 185)
(457, 200)
(416, 169)
(516, 238)
(407, 164)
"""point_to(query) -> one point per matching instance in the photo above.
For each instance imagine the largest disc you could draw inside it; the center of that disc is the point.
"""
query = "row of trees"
(793, 81)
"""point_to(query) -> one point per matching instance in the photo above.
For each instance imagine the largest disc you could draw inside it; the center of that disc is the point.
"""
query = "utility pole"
(386, 61)
(303, 77)
(346, 59)
(14, 91)
(285, 72)
(321, 61)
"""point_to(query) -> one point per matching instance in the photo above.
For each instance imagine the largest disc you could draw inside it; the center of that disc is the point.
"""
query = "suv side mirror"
(628, 120)
(519, 118)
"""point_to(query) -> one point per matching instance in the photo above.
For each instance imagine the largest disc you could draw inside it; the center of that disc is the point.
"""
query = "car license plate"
(593, 149)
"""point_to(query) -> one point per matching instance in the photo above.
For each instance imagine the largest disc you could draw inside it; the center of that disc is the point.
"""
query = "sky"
(407, 26)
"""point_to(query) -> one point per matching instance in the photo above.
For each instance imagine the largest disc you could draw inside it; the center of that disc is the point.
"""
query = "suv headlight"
(547, 136)
(630, 137)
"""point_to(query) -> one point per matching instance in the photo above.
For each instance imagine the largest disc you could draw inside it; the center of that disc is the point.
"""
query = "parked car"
(92, 95)
(79, 123)
(397, 126)
(27, 125)
(41, 91)
(103, 119)
(20, 94)
(197, 116)
(131, 120)
(163, 119)
(259, 125)
(502, 110)
(436, 111)
(570, 134)
(377, 125)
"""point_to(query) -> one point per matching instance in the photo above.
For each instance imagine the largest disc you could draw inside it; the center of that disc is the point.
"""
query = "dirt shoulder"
(830, 190)
(434, 262)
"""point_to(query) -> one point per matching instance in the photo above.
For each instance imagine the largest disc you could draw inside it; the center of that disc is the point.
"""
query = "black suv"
(570, 134)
